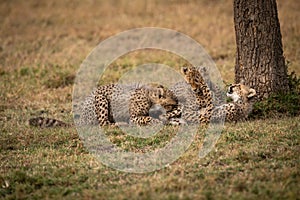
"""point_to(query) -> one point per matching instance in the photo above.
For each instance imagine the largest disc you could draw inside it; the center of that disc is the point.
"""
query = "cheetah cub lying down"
(238, 110)
(128, 103)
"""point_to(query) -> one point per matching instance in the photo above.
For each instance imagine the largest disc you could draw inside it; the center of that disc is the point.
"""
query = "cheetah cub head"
(240, 93)
(193, 76)
(158, 94)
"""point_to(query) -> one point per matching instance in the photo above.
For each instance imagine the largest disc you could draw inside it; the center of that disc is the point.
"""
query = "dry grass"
(42, 44)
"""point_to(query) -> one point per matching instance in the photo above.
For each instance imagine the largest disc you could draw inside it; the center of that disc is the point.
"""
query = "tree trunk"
(259, 60)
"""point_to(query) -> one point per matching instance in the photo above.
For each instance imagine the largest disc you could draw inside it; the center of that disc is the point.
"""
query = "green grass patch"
(279, 105)
(247, 162)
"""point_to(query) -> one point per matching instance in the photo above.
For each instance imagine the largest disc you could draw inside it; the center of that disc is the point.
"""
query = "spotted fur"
(122, 103)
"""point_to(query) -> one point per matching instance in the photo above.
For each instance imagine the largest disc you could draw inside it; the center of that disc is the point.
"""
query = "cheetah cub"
(238, 110)
(128, 103)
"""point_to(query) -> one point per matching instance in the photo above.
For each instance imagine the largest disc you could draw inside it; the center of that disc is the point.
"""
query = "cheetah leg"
(102, 110)
(175, 113)
(139, 114)
(206, 115)
(144, 120)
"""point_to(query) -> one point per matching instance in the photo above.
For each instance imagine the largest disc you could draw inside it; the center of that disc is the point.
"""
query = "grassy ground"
(42, 44)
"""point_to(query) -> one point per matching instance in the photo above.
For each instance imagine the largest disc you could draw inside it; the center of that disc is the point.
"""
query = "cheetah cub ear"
(184, 70)
(161, 92)
(251, 93)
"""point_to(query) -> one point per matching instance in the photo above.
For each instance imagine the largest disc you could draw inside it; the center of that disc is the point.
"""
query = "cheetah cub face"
(193, 77)
(240, 93)
(164, 97)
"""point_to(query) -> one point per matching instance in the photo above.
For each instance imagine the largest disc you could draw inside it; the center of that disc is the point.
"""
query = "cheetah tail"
(44, 122)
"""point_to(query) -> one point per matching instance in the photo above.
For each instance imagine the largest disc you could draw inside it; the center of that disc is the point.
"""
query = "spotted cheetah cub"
(202, 109)
(238, 110)
(123, 103)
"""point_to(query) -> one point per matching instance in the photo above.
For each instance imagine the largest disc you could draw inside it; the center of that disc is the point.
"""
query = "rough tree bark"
(259, 60)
